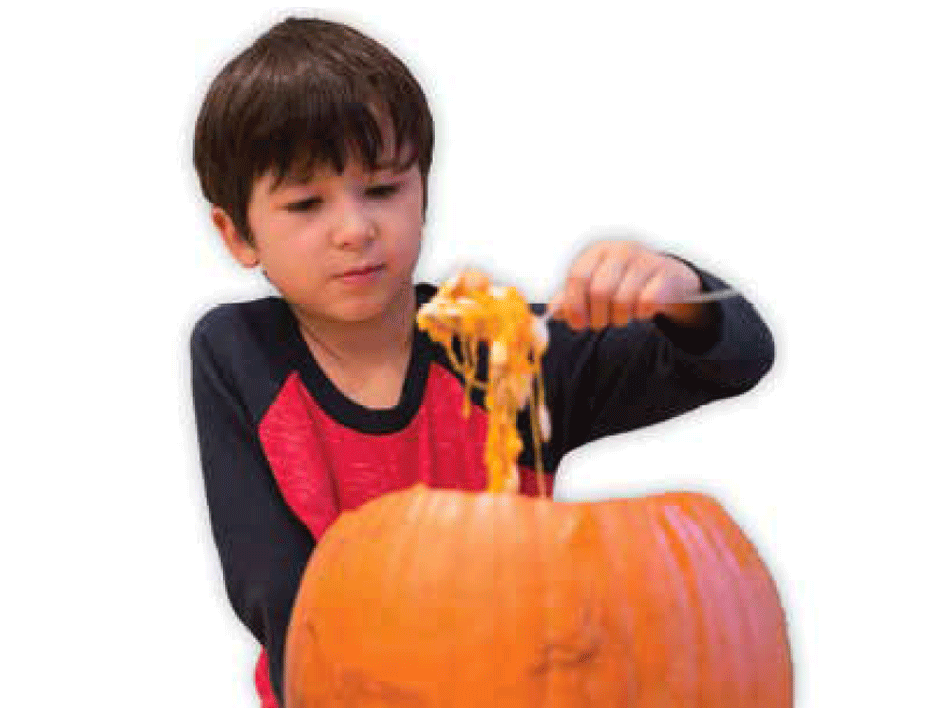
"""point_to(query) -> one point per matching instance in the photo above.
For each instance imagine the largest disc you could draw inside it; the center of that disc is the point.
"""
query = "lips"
(362, 276)
(362, 270)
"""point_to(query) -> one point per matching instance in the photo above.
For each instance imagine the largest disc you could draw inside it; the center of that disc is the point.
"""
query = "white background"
(794, 149)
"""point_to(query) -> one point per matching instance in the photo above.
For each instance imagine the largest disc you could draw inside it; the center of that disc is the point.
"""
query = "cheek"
(292, 252)
(410, 224)
(406, 250)
(415, 238)
(415, 248)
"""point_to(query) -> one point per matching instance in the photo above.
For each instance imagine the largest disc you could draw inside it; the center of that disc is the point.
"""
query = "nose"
(354, 229)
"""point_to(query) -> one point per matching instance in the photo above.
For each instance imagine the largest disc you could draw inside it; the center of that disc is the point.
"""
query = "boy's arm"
(263, 547)
(613, 380)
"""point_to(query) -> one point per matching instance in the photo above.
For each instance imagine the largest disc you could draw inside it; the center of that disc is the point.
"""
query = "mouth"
(362, 271)
(361, 276)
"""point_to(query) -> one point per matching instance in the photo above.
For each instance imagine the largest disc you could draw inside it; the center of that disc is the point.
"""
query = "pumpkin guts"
(472, 310)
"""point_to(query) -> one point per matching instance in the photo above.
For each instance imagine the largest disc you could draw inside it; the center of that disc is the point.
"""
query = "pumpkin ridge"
(691, 596)
(680, 680)
(535, 522)
(712, 519)
(619, 617)
(717, 599)
(453, 659)
(768, 620)
(573, 602)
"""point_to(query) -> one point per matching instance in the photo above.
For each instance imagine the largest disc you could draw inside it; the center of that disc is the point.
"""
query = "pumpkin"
(455, 599)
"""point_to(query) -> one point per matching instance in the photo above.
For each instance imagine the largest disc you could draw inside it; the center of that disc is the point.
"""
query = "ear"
(242, 251)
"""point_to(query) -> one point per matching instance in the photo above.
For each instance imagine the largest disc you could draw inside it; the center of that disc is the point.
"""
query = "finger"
(631, 253)
(666, 290)
(662, 298)
(575, 306)
(626, 300)
(620, 308)
(602, 287)
(654, 295)
(622, 299)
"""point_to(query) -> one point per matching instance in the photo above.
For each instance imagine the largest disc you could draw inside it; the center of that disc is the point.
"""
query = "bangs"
(321, 128)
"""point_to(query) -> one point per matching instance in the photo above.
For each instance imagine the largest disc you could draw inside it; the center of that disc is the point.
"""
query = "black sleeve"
(263, 547)
(621, 378)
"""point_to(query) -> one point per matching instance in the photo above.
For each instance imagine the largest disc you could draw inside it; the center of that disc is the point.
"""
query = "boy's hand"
(612, 282)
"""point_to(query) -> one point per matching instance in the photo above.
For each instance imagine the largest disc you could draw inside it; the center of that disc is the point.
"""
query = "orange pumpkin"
(453, 599)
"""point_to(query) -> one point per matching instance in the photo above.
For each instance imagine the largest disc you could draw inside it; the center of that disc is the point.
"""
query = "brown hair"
(306, 93)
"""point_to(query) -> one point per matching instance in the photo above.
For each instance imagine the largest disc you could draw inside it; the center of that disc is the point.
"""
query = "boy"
(313, 147)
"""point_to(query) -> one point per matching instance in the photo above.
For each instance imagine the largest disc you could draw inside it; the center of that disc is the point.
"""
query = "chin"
(361, 311)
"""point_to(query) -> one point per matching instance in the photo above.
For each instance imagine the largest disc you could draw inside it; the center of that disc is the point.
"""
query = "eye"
(382, 191)
(304, 205)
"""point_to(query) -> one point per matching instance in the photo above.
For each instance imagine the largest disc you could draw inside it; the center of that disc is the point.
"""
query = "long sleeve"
(621, 378)
(263, 547)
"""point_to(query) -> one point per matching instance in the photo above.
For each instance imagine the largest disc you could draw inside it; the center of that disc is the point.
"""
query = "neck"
(372, 341)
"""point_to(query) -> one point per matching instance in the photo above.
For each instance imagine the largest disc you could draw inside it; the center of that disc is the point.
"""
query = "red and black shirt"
(284, 452)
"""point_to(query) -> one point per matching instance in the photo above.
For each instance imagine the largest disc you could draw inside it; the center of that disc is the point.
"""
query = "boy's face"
(338, 247)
